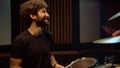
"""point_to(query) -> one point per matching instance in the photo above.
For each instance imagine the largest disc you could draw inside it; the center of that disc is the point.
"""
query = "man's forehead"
(42, 9)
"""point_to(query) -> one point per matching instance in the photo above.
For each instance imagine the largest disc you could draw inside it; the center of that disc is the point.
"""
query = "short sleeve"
(17, 48)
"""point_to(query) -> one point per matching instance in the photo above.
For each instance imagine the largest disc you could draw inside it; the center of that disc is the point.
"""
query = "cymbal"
(84, 63)
(114, 16)
(108, 40)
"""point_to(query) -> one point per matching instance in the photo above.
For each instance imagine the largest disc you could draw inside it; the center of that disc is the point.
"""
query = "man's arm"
(15, 63)
(54, 63)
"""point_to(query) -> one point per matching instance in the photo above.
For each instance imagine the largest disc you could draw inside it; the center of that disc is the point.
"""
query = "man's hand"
(59, 66)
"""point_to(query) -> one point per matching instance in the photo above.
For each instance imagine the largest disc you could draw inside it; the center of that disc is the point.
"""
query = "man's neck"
(34, 29)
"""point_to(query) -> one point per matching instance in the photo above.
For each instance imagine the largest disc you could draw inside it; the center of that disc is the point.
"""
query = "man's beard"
(42, 22)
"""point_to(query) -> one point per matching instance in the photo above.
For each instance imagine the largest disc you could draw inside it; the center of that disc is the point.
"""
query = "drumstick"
(71, 63)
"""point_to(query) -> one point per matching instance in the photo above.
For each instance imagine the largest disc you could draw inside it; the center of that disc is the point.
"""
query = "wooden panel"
(60, 20)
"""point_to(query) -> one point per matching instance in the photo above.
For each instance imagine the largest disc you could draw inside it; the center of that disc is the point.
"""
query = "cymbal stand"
(110, 59)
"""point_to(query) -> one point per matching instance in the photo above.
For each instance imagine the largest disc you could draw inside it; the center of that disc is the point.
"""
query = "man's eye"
(43, 11)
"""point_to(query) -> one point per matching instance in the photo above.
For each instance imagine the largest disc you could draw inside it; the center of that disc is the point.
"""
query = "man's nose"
(47, 14)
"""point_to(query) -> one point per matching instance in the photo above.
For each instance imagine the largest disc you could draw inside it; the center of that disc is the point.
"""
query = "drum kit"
(89, 62)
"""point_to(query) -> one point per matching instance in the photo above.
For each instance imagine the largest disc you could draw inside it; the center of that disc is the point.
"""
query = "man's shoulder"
(21, 35)
(48, 34)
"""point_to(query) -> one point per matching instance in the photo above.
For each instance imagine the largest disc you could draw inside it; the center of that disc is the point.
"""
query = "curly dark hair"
(31, 7)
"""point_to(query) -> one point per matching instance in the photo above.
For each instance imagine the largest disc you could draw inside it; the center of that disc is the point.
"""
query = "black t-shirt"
(33, 50)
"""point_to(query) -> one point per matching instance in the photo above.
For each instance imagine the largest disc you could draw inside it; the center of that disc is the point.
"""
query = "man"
(31, 49)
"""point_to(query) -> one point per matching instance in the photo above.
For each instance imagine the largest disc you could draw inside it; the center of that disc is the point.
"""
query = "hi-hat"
(109, 40)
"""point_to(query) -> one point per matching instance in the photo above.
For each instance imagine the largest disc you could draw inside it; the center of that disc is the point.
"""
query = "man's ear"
(32, 16)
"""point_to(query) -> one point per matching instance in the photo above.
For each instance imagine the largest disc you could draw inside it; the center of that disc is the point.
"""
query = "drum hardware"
(109, 66)
(109, 61)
